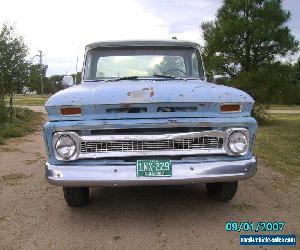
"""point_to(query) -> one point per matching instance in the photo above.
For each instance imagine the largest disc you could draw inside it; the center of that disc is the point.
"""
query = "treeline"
(277, 83)
(14, 68)
(247, 43)
(18, 74)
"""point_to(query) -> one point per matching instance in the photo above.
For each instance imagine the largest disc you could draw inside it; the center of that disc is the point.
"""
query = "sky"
(62, 28)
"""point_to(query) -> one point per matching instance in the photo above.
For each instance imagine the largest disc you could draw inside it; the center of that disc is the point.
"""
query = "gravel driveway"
(34, 215)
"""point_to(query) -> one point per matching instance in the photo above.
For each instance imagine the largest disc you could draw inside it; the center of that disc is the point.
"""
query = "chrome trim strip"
(154, 137)
(118, 173)
(151, 153)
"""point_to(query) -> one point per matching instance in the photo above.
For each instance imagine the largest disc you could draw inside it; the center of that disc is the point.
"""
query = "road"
(34, 215)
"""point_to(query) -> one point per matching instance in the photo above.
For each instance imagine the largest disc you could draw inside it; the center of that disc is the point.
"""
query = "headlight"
(238, 143)
(65, 147)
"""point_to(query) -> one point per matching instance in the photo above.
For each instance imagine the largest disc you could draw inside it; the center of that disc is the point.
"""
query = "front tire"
(222, 191)
(76, 196)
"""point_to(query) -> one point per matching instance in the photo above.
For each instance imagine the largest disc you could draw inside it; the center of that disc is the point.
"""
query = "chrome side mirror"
(67, 81)
(221, 79)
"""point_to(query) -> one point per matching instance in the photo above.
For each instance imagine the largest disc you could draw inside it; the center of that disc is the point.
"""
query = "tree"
(297, 70)
(247, 35)
(275, 83)
(34, 81)
(78, 77)
(170, 66)
(13, 65)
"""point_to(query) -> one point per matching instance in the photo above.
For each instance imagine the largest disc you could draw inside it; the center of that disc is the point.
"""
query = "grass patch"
(278, 143)
(30, 100)
(25, 122)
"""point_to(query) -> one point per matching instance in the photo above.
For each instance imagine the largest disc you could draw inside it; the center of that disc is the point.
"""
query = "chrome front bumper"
(116, 174)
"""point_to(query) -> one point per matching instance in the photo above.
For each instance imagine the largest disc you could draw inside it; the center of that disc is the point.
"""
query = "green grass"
(284, 107)
(25, 122)
(30, 100)
(278, 144)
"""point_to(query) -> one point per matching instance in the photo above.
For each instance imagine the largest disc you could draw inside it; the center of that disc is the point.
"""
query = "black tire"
(222, 191)
(76, 196)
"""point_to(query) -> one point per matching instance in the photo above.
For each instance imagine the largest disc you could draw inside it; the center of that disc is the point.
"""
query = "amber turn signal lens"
(70, 111)
(230, 108)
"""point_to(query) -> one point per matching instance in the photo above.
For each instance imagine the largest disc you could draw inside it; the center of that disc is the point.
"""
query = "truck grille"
(151, 145)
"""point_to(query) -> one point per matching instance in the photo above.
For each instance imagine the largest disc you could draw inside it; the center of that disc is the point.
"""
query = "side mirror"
(220, 79)
(67, 81)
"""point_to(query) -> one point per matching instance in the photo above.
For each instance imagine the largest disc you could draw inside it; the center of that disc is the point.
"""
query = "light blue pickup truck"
(144, 115)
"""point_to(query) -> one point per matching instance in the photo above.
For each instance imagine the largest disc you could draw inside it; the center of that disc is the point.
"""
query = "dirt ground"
(34, 215)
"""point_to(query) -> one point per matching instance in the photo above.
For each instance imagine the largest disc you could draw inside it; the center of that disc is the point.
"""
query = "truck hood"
(139, 98)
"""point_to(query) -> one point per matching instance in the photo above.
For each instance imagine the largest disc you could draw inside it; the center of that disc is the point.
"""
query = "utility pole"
(76, 70)
(40, 55)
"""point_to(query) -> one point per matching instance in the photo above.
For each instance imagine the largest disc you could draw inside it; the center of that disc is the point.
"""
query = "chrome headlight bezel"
(74, 137)
(229, 133)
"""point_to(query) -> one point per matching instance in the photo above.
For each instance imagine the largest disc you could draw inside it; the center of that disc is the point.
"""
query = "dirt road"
(34, 215)
(284, 111)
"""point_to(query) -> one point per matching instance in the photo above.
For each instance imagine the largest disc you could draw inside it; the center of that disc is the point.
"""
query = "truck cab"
(144, 114)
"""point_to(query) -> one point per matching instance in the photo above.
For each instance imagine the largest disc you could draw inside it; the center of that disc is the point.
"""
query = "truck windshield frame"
(106, 63)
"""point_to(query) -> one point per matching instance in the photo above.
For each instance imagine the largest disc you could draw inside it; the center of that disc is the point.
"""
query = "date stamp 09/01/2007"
(260, 226)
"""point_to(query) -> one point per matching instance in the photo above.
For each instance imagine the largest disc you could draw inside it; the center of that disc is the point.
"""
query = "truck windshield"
(108, 63)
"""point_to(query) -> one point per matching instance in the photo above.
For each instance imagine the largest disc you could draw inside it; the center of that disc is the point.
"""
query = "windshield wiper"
(122, 78)
(164, 76)
(168, 76)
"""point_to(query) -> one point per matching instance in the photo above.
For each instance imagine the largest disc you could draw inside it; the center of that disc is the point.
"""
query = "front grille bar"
(197, 143)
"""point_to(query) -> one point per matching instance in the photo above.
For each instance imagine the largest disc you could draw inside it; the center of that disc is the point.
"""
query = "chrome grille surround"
(134, 145)
(118, 145)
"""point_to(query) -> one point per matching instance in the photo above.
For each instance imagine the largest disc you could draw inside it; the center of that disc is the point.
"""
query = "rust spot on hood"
(141, 93)
(151, 92)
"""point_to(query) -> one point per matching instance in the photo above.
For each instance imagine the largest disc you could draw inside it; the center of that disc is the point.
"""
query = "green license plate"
(153, 168)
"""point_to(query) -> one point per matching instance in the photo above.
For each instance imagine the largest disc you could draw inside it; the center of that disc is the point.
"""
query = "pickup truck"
(144, 114)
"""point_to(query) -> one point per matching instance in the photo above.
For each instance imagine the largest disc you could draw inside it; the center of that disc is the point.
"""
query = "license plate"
(153, 168)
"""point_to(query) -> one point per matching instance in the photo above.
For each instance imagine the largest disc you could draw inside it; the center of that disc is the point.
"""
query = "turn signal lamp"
(230, 108)
(70, 111)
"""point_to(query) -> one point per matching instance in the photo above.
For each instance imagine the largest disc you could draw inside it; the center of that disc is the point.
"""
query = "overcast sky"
(62, 28)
